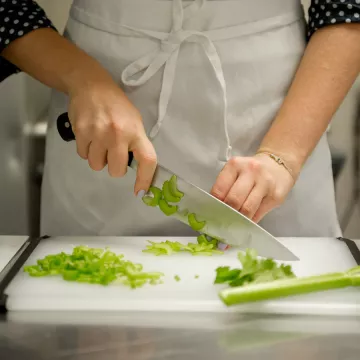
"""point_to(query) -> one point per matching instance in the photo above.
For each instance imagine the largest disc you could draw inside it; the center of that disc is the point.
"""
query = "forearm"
(54, 61)
(327, 71)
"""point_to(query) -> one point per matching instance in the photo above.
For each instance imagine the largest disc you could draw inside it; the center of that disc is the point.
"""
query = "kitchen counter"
(74, 335)
(180, 336)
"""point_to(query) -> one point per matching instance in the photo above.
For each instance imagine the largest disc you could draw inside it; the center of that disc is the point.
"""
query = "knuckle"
(218, 192)
(247, 209)
(268, 179)
(148, 158)
(233, 201)
(80, 128)
(254, 165)
(235, 161)
(98, 128)
(117, 127)
(278, 197)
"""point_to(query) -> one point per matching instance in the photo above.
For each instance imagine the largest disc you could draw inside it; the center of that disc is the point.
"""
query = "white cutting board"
(43, 294)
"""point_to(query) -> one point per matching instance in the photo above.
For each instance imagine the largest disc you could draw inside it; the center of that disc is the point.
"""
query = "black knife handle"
(66, 132)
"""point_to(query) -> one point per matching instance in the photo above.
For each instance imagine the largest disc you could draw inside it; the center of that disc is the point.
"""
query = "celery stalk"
(288, 287)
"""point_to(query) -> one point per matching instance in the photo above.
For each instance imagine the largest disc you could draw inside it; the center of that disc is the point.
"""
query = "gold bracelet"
(277, 159)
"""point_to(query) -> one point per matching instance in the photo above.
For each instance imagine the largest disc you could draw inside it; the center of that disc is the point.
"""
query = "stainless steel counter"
(182, 336)
(153, 336)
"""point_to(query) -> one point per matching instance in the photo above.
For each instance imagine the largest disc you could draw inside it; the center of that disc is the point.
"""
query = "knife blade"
(222, 221)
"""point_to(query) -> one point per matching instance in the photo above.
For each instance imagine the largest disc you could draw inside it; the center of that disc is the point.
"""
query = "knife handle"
(66, 132)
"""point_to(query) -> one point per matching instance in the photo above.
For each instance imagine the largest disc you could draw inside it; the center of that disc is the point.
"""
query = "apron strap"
(167, 55)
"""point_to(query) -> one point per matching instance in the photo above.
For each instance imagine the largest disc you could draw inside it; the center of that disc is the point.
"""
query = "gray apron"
(208, 78)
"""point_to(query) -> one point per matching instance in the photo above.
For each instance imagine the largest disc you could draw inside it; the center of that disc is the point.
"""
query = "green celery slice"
(203, 239)
(173, 187)
(168, 196)
(195, 225)
(166, 208)
(153, 200)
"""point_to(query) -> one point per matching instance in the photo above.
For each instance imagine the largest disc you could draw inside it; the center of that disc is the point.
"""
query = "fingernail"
(141, 193)
(223, 246)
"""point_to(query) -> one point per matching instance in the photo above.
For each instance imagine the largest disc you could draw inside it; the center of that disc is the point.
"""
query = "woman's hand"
(253, 185)
(107, 126)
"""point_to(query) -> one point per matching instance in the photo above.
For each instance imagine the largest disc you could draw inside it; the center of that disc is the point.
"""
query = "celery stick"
(283, 288)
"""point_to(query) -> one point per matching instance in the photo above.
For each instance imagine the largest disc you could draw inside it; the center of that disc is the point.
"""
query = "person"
(232, 96)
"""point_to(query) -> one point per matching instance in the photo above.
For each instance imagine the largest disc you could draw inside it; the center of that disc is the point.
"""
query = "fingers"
(225, 181)
(252, 186)
(266, 206)
(82, 135)
(144, 154)
(107, 126)
(97, 156)
(117, 158)
(254, 200)
(240, 191)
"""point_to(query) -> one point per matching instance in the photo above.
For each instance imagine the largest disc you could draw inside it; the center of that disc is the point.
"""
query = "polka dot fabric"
(17, 18)
(328, 12)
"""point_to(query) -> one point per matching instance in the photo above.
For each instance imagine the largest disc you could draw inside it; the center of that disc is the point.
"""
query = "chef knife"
(222, 222)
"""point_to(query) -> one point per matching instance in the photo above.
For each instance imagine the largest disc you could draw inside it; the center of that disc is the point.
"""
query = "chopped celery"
(170, 247)
(166, 208)
(203, 239)
(196, 276)
(195, 225)
(177, 277)
(253, 270)
(94, 266)
(264, 279)
(168, 196)
(173, 187)
(153, 200)
(225, 274)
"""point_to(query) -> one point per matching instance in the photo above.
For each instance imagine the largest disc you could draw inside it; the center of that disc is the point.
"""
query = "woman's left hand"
(253, 185)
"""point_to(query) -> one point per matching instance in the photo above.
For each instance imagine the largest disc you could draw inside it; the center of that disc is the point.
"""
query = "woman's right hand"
(107, 126)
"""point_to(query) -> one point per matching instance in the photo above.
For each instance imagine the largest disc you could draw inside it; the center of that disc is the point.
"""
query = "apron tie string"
(167, 56)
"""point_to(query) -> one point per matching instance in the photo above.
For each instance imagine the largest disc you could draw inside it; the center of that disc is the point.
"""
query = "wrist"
(87, 79)
(288, 160)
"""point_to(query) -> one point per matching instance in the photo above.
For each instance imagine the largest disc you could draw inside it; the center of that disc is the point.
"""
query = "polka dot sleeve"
(18, 18)
(328, 12)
